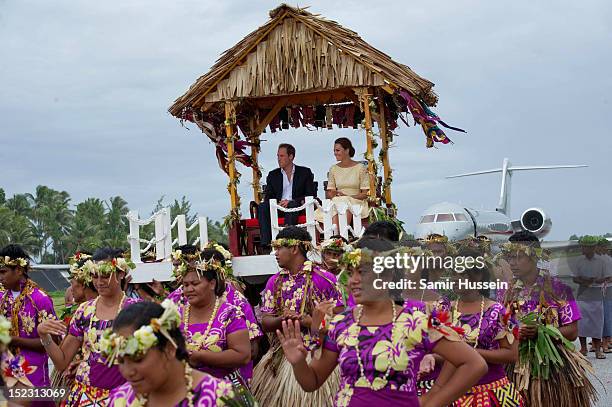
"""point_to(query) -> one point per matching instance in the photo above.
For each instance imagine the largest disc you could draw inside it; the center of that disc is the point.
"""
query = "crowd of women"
(321, 335)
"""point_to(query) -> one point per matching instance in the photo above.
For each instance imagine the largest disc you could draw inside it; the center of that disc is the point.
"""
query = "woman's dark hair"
(15, 251)
(211, 275)
(188, 249)
(525, 237)
(384, 229)
(141, 314)
(346, 144)
(106, 253)
(334, 237)
(297, 233)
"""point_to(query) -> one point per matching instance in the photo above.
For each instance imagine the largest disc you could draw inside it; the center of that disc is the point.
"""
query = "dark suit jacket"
(303, 184)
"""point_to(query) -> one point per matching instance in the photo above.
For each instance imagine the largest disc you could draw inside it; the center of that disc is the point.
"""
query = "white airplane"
(458, 222)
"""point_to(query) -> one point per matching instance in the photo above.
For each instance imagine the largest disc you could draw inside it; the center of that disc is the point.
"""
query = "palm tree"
(17, 229)
(117, 227)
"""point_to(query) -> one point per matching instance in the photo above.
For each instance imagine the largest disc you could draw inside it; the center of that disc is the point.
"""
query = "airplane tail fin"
(503, 205)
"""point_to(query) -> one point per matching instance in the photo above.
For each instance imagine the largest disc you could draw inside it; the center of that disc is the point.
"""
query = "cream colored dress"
(349, 181)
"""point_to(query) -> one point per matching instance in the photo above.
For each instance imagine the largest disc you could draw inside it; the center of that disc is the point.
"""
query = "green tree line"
(52, 229)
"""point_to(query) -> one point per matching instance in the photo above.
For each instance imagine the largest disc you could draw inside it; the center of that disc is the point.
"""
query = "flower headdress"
(211, 264)
(113, 345)
(78, 270)
(284, 242)
(440, 239)
(513, 248)
(182, 261)
(13, 262)
(227, 257)
(480, 243)
(335, 245)
(107, 267)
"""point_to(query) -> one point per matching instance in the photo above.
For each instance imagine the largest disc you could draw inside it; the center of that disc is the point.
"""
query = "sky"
(85, 87)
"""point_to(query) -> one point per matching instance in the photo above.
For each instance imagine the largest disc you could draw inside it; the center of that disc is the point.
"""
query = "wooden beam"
(365, 97)
(254, 137)
(230, 118)
(383, 129)
(280, 103)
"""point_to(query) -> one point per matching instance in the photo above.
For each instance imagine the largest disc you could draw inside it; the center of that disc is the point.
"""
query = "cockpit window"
(427, 219)
(445, 217)
(460, 217)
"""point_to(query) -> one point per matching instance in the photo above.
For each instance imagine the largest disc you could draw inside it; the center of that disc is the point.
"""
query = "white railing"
(329, 228)
(163, 233)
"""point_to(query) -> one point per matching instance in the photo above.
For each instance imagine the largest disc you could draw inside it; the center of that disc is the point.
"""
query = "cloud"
(85, 88)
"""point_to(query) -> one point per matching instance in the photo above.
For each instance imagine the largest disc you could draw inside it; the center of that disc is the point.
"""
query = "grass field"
(58, 300)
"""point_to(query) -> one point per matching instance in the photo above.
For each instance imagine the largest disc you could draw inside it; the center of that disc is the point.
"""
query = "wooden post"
(230, 120)
(384, 135)
(234, 226)
(365, 97)
(255, 162)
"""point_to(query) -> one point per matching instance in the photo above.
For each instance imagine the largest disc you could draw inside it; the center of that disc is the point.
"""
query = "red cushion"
(254, 223)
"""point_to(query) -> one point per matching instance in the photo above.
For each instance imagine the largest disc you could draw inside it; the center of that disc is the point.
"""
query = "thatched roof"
(297, 52)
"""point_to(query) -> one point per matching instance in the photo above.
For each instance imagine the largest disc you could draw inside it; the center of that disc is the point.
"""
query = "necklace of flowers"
(17, 305)
(213, 314)
(143, 400)
(95, 307)
(378, 383)
(456, 315)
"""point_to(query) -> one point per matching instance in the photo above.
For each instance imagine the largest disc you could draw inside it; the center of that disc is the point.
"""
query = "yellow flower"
(268, 299)
(145, 336)
(409, 329)
(287, 285)
(27, 323)
(350, 337)
(387, 352)
(344, 396)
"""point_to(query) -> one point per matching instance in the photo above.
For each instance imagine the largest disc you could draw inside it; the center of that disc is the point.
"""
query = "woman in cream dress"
(348, 182)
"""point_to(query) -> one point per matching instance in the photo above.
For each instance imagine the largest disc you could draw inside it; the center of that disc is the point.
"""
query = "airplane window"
(445, 217)
(427, 219)
(460, 217)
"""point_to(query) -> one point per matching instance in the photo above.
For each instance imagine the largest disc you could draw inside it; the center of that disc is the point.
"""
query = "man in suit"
(289, 185)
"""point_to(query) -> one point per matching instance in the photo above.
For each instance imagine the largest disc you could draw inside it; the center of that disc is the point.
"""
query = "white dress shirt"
(288, 184)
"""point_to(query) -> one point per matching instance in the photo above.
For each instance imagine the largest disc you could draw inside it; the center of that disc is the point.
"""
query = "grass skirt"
(567, 386)
(500, 393)
(274, 385)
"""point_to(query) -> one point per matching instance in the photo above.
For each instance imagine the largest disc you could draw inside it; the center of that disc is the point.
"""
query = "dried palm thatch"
(567, 386)
(297, 52)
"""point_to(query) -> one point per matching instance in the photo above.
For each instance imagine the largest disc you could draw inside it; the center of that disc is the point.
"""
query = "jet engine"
(536, 221)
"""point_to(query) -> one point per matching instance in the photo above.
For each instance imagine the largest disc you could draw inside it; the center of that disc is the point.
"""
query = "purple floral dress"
(207, 393)
(228, 319)
(495, 326)
(563, 304)
(390, 357)
(311, 283)
(93, 370)
(30, 307)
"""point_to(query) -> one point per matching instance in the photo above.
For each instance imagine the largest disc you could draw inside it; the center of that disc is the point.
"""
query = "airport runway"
(603, 370)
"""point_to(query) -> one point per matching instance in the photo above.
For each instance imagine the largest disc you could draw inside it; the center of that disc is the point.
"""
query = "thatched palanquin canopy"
(297, 52)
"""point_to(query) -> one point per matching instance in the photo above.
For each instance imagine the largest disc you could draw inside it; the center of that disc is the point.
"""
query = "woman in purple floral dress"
(535, 292)
(150, 349)
(94, 378)
(379, 344)
(215, 330)
(292, 294)
(489, 329)
(26, 306)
